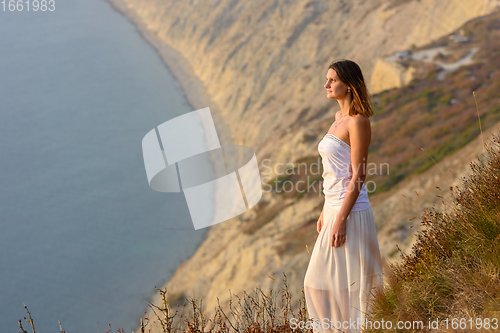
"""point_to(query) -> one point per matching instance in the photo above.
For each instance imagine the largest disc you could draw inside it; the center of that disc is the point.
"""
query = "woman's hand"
(338, 232)
(319, 224)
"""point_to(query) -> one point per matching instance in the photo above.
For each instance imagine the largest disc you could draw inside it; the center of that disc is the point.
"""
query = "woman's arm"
(319, 224)
(360, 137)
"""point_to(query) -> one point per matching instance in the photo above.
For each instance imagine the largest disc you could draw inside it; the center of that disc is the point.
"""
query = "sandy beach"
(196, 96)
(177, 64)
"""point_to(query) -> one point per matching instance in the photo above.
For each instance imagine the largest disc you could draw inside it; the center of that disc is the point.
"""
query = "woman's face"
(335, 88)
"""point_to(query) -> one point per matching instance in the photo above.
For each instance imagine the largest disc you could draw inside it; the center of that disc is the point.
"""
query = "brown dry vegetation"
(453, 270)
(422, 114)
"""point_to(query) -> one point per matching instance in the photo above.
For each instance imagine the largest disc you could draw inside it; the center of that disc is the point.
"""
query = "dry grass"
(257, 313)
(453, 270)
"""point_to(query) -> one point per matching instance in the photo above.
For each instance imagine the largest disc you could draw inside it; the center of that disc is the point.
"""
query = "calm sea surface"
(83, 239)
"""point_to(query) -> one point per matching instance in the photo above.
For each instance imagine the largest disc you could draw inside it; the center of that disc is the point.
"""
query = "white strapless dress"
(340, 280)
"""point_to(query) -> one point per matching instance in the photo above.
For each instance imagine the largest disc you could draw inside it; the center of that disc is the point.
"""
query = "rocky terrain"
(260, 66)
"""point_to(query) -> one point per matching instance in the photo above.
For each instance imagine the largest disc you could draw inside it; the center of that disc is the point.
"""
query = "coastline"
(196, 96)
(192, 88)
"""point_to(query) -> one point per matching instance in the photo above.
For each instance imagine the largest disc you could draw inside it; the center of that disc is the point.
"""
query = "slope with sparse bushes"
(453, 270)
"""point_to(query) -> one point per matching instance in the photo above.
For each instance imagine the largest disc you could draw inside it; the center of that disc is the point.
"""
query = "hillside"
(263, 64)
(275, 103)
(450, 280)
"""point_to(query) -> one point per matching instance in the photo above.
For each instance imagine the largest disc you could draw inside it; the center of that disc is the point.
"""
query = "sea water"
(83, 239)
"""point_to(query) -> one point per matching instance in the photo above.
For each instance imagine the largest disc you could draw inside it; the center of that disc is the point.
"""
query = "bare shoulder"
(359, 127)
(359, 121)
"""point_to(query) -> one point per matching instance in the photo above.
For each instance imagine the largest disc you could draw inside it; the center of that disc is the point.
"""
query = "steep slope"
(264, 63)
(452, 270)
(230, 260)
(284, 123)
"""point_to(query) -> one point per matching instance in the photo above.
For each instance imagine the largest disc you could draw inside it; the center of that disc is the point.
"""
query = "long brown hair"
(350, 73)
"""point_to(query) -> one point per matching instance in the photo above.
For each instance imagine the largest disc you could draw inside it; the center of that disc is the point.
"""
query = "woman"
(345, 265)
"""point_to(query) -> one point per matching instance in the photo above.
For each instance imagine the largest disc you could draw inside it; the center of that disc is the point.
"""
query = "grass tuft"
(453, 270)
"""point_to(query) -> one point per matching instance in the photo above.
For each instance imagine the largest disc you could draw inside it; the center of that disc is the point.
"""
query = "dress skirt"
(339, 281)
